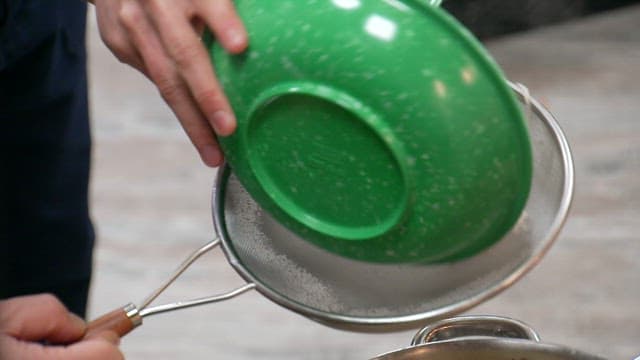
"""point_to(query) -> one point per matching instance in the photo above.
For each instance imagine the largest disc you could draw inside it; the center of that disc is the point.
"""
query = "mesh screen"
(318, 280)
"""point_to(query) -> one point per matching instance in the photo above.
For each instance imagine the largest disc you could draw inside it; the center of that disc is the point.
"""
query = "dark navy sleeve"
(46, 235)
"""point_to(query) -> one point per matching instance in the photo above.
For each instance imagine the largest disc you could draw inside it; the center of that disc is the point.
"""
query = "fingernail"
(211, 155)
(110, 336)
(222, 122)
(77, 321)
(236, 39)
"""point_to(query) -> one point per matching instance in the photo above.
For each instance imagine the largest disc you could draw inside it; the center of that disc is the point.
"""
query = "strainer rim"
(402, 322)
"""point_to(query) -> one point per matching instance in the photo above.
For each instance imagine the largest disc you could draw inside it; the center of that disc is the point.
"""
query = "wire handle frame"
(145, 310)
(127, 318)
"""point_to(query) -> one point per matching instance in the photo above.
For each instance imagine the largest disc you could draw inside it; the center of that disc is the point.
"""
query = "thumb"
(97, 348)
(39, 317)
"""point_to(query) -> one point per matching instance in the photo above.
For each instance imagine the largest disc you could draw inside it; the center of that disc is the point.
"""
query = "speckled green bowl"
(377, 129)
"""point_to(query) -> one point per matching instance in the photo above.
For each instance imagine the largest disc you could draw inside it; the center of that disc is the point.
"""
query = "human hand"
(27, 321)
(161, 38)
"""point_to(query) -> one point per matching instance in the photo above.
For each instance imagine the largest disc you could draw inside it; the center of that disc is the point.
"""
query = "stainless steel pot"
(479, 338)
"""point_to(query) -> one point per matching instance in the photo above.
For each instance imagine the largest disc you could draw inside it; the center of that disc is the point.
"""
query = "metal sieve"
(364, 296)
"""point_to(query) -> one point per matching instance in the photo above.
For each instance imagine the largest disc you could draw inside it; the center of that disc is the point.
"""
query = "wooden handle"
(121, 321)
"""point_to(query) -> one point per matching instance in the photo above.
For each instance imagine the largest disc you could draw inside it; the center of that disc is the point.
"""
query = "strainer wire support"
(181, 269)
(195, 302)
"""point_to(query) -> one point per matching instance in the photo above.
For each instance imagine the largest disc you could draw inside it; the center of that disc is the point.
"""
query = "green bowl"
(378, 130)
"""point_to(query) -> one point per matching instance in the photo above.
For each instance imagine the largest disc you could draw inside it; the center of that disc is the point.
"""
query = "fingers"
(99, 348)
(108, 336)
(103, 347)
(114, 36)
(194, 65)
(161, 39)
(26, 320)
(222, 19)
(163, 72)
(39, 317)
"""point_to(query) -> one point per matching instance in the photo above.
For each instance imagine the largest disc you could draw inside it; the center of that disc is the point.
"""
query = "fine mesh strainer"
(364, 296)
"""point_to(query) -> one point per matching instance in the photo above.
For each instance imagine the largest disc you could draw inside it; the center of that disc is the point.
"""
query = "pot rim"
(477, 336)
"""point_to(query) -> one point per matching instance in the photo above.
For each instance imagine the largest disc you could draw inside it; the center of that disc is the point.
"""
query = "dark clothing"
(46, 236)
